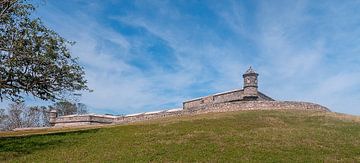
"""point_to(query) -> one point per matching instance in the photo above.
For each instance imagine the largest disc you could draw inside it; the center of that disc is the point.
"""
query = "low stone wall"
(76, 120)
(218, 107)
(226, 107)
(143, 117)
(257, 105)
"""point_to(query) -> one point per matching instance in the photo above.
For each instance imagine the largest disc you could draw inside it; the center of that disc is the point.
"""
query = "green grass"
(258, 136)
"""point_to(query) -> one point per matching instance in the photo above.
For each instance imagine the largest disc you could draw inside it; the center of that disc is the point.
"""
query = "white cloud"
(290, 47)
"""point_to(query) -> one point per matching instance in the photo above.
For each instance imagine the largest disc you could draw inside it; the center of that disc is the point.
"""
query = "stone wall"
(257, 105)
(193, 103)
(216, 98)
(83, 120)
(144, 116)
(228, 96)
(226, 107)
(231, 96)
(76, 120)
(212, 107)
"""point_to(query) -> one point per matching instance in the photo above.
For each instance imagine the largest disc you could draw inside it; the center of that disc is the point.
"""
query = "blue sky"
(150, 55)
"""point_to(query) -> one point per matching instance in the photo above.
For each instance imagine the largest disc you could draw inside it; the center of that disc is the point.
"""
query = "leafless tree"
(45, 116)
(81, 108)
(20, 116)
(15, 119)
(68, 108)
(3, 118)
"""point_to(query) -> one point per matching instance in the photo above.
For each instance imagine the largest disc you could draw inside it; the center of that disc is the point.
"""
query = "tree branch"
(8, 4)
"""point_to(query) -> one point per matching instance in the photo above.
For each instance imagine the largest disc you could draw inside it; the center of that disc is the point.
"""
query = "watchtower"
(250, 84)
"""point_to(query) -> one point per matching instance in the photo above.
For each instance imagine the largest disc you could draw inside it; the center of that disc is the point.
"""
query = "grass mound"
(273, 136)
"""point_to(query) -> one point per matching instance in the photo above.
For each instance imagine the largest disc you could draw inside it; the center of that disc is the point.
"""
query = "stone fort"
(248, 98)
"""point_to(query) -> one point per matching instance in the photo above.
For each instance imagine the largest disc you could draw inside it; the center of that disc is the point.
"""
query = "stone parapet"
(83, 120)
(143, 117)
(225, 107)
(257, 105)
(218, 107)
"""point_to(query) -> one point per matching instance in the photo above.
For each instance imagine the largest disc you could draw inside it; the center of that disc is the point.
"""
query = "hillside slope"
(291, 135)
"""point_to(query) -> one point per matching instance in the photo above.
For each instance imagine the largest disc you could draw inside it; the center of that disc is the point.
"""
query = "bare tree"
(68, 108)
(15, 119)
(32, 117)
(20, 116)
(45, 116)
(3, 118)
(81, 108)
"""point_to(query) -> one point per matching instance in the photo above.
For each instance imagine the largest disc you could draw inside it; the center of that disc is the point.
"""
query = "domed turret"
(250, 84)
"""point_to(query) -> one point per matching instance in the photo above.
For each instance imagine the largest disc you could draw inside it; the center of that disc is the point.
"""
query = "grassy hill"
(272, 136)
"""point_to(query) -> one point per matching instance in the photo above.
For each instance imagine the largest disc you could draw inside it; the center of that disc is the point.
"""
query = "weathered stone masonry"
(248, 93)
(248, 98)
(258, 105)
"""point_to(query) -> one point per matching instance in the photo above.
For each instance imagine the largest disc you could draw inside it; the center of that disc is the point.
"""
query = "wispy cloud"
(144, 55)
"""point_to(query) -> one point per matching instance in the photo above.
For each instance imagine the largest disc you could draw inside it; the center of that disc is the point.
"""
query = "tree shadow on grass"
(12, 147)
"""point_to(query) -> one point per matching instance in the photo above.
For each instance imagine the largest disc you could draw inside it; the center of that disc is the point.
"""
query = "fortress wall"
(218, 107)
(193, 103)
(229, 96)
(68, 124)
(82, 120)
(225, 107)
(221, 98)
(143, 117)
(217, 98)
(258, 105)
(100, 119)
(72, 119)
(221, 102)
